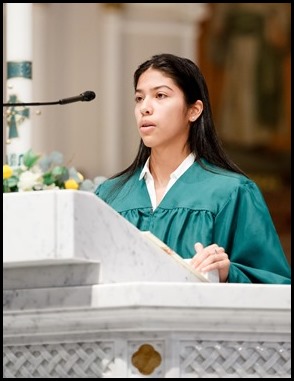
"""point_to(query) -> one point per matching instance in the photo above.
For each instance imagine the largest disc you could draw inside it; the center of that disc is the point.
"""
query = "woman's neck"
(162, 165)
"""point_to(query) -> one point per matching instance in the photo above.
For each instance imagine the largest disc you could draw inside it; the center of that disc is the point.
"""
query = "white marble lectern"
(86, 295)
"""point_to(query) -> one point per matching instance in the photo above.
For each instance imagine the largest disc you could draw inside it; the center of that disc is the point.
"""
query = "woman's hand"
(212, 257)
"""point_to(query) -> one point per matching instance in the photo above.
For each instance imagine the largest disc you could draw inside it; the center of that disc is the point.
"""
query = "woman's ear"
(196, 110)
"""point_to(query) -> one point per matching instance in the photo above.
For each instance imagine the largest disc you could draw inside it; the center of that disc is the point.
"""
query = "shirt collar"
(145, 171)
(176, 174)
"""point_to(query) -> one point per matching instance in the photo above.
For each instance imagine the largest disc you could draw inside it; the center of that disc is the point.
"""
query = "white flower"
(28, 179)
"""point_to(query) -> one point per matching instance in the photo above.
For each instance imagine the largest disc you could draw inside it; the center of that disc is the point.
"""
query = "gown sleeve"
(245, 229)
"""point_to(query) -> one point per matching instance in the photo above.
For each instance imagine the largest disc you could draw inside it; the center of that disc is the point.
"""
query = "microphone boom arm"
(30, 104)
(86, 96)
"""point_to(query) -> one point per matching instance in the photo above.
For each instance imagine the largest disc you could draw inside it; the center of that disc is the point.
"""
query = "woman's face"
(161, 113)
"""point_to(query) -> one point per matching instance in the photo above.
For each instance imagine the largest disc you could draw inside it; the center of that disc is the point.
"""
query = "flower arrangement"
(44, 173)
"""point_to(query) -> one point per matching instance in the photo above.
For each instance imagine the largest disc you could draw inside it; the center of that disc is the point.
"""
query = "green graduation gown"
(208, 207)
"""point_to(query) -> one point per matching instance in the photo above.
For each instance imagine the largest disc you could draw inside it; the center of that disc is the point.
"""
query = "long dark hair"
(203, 139)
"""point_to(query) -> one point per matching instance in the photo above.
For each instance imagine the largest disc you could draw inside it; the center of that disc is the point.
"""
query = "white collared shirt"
(146, 174)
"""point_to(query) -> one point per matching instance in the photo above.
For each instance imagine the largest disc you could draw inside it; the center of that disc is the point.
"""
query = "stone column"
(19, 80)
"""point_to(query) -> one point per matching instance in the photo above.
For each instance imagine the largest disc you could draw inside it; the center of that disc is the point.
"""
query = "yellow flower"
(71, 184)
(7, 171)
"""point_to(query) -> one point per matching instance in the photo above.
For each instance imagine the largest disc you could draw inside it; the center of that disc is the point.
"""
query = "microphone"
(86, 96)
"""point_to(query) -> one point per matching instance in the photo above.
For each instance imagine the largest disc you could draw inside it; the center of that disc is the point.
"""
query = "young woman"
(182, 186)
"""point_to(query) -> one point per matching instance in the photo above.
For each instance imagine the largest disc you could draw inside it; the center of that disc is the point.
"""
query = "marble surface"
(153, 294)
(199, 330)
(216, 307)
(67, 227)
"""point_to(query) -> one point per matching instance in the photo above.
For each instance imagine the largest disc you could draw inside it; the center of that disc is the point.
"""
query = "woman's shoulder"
(113, 183)
(211, 180)
(213, 173)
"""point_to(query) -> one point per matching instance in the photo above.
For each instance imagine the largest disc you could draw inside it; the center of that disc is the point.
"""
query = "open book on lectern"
(212, 276)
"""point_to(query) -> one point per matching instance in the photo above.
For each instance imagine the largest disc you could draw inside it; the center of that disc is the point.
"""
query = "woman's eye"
(161, 95)
(138, 99)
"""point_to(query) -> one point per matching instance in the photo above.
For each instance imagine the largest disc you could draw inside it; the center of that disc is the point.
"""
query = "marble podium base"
(148, 330)
(85, 295)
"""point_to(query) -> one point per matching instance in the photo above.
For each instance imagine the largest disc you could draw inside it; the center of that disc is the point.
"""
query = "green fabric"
(223, 208)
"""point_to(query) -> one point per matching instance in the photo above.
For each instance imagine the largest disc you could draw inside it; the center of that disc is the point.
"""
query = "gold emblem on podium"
(146, 359)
